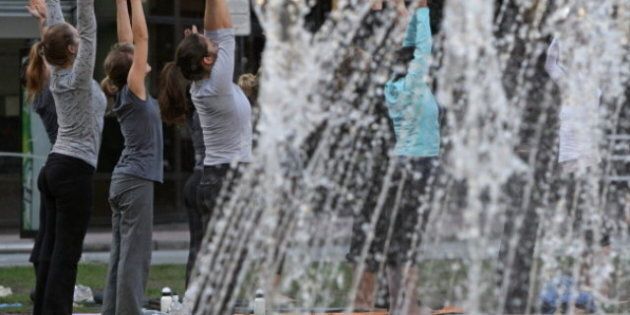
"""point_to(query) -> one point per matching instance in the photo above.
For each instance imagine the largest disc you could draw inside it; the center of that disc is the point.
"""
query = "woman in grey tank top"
(224, 110)
(66, 180)
(139, 167)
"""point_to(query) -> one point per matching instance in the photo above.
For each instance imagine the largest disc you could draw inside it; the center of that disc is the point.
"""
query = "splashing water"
(505, 219)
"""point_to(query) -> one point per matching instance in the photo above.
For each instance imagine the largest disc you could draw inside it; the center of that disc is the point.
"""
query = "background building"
(166, 19)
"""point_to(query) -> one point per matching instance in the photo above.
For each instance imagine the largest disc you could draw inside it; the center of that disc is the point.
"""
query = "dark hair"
(403, 57)
(117, 65)
(173, 79)
(54, 49)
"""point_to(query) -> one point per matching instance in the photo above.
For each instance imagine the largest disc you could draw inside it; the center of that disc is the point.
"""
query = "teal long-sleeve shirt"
(412, 107)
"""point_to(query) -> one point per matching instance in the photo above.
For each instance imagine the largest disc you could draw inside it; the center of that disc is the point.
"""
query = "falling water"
(501, 201)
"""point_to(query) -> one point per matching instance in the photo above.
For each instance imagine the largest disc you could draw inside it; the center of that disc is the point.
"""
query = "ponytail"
(172, 97)
(249, 85)
(109, 87)
(36, 72)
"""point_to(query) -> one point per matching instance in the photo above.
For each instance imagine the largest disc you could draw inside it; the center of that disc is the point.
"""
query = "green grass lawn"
(22, 279)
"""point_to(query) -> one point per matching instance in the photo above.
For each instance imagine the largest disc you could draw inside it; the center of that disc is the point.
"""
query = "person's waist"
(216, 169)
(77, 163)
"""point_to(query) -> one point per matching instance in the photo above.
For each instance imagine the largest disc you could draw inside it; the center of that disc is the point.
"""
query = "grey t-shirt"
(79, 100)
(224, 111)
(141, 127)
(44, 106)
(196, 135)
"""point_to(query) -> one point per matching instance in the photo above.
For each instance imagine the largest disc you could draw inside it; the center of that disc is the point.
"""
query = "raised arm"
(218, 28)
(55, 14)
(138, 70)
(410, 33)
(37, 8)
(83, 67)
(419, 36)
(552, 63)
(422, 37)
(123, 23)
(217, 15)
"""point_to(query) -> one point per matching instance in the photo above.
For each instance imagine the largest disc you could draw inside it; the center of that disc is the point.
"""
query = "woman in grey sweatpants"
(139, 167)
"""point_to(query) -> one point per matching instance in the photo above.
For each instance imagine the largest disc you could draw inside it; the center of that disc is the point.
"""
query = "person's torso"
(141, 126)
(414, 113)
(226, 123)
(80, 111)
(44, 106)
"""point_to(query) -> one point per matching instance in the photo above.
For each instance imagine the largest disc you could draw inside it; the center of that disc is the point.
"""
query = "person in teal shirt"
(412, 107)
(415, 116)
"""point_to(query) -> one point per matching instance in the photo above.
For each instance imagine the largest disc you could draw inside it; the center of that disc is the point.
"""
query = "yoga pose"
(139, 167)
(66, 179)
(223, 109)
(249, 84)
(37, 79)
(415, 117)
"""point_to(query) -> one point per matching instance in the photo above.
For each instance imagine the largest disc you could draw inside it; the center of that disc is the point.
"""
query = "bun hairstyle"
(176, 75)
(249, 84)
(117, 65)
(53, 49)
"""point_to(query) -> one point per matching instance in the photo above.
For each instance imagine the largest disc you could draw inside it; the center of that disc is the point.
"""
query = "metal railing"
(620, 158)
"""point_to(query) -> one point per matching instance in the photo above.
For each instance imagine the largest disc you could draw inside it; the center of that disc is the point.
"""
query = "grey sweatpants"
(131, 199)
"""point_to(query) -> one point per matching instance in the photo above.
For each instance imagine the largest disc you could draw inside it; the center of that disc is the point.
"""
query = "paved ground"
(170, 246)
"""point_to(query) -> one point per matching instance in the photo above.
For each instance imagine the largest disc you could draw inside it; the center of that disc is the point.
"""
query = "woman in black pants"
(66, 180)
(43, 104)
(195, 221)
(224, 110)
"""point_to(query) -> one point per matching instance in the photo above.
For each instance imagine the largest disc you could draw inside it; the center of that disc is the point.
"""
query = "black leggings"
(34, 258)
(66, 187)
(208, 191)
(195, 220)
(398, 225)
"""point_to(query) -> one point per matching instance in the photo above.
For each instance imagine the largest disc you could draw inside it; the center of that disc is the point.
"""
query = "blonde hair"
(248, 82)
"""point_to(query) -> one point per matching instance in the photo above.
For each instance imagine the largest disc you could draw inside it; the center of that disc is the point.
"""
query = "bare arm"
(83, 67)
(217, 15)
(37, 8)
(55, 14)
(138, 71)
(123, 23)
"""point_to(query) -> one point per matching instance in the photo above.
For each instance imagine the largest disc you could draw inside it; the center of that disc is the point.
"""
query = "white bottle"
(166, 300)
(259, 303)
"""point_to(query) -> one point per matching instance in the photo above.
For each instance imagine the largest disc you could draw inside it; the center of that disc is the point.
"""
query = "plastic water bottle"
(259, 303)
(166, 300)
